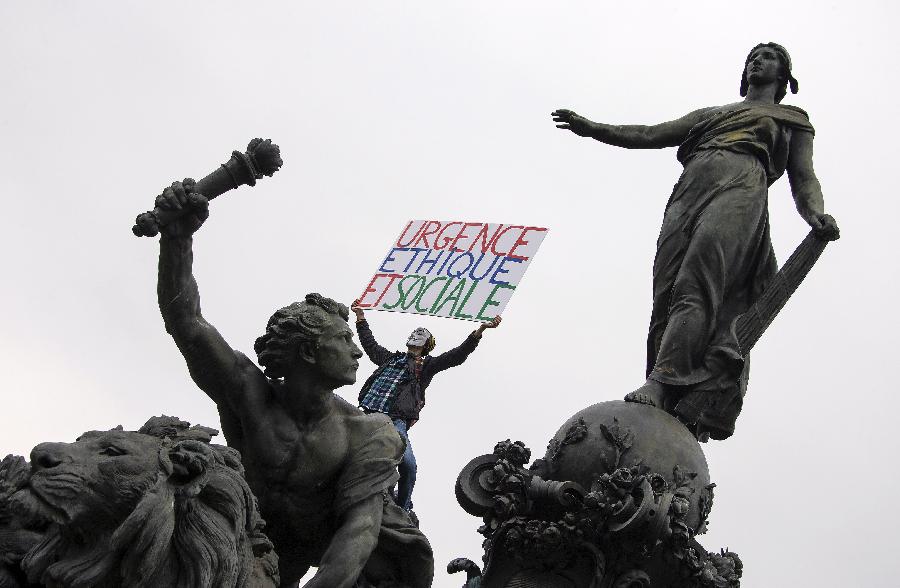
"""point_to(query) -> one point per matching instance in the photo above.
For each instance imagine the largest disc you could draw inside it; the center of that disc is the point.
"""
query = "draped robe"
(714, 257)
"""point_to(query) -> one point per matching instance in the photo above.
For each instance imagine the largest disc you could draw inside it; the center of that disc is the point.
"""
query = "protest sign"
(453, 269)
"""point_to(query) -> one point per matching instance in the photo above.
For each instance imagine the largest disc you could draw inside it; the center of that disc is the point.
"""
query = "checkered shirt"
(380, 395)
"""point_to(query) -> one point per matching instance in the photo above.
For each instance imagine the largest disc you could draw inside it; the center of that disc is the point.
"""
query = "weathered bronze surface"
(319, 466)
(714, 257)
(161, 506)
(262, 158)
(616, 501)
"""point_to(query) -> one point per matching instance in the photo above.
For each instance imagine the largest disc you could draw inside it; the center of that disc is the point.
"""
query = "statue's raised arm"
(714, 258)
(214, 366)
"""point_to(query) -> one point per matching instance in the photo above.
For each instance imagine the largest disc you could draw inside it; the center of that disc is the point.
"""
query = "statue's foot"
(652, 393)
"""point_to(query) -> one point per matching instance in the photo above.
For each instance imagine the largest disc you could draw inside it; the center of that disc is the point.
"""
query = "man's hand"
(491, 324)
(573, 122)
(357, 309)
(178, 196)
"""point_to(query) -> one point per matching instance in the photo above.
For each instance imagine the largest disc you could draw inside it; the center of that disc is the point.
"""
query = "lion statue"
(150, 508)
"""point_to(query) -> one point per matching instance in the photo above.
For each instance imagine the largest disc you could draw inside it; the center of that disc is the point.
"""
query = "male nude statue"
(319, 467)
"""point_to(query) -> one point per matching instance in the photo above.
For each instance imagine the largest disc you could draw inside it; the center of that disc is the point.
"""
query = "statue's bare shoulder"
(361, 426)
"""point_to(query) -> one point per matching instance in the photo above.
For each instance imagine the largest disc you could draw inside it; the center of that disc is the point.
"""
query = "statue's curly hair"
(785, 59)
(300, 322)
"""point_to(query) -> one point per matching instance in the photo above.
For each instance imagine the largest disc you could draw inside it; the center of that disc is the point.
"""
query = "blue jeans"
(407, 469)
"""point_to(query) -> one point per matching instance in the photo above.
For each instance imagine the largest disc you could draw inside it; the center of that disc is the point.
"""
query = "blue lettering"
(417, 250)
(500, 270)
(461, 272)
(429, 262)
(486, 272)
(390, 257)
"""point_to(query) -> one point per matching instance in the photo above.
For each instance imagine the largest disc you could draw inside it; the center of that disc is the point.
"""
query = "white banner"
(453, 269)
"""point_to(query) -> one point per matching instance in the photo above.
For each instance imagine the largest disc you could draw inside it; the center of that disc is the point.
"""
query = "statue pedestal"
(617, 502)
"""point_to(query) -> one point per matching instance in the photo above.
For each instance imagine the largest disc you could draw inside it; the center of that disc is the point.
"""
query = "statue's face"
(418, 338)
(764, 66)
(337, 356)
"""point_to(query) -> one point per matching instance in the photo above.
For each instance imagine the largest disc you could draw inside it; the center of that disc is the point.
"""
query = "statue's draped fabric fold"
(403, 553)
(714, 257)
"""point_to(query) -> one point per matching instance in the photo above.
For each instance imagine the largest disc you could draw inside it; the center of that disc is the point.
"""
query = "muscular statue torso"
(291, 467)
(301, 457)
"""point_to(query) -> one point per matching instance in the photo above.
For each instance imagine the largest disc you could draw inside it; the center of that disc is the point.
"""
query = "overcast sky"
(396, 110)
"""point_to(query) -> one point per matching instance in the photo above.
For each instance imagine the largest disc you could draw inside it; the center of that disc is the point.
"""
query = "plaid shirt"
(380, 395)
(408, 396)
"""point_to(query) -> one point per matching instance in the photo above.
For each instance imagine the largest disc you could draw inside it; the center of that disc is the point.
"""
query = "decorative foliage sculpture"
(620, 523)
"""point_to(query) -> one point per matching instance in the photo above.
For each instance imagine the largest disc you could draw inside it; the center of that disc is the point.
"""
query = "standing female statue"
(714, 255)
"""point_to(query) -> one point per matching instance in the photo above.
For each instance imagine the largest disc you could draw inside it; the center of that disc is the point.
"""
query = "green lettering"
(459, 313)
(425, 289)
(420, 281)
(439, 296)
(402, 298)
(453, 295)
(491, 302)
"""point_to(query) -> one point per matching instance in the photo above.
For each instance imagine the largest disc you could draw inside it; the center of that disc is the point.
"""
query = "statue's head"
(768, 51)
(421, 340)
(312, 334)
(156, 507)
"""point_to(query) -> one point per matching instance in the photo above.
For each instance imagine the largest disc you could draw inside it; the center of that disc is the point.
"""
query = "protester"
(397, 388)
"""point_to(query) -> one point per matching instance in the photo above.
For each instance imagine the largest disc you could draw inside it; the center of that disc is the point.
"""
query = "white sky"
(396, 110)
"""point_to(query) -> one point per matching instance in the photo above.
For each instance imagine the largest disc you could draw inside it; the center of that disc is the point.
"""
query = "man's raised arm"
(214, 366)
(376, 352)
(459, 354)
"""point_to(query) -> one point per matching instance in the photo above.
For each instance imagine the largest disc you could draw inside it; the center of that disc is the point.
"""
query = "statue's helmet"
(785, 58)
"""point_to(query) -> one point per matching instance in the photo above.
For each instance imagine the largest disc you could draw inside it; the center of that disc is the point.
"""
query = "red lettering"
(446, 239)
(369, 288)
(497, 237)
(485, 242)
(425, 232)
(403, 234)
(462, 235)
(521, 241)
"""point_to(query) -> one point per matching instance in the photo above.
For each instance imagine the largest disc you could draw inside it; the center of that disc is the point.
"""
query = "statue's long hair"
(785, 59)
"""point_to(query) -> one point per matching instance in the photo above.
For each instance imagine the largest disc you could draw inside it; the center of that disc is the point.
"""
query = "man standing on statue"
(319, 467)
(397, 388)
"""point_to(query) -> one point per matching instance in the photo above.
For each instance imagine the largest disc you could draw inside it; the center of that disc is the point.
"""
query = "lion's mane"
(195, 524)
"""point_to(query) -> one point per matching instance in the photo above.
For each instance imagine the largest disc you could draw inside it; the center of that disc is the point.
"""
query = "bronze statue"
(161, 506)
(714, 256)
(319, 466)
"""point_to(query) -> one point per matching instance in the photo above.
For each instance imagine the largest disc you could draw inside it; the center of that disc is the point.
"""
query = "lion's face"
(157, 507)
(97, 480)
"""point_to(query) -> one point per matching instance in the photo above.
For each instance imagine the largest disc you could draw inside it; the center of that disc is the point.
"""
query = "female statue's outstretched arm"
(667, 134)
(805, 187)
